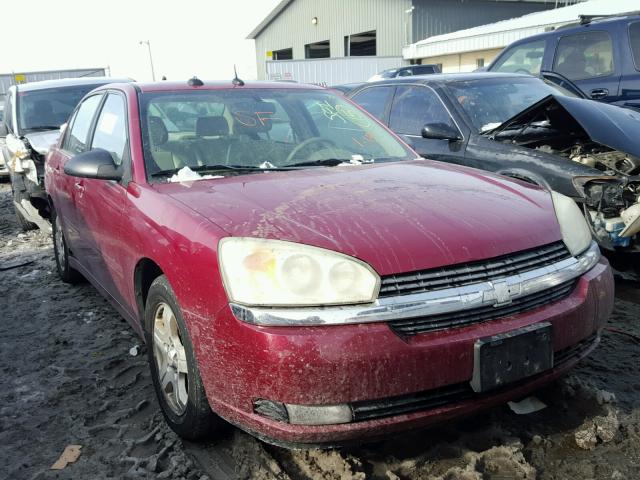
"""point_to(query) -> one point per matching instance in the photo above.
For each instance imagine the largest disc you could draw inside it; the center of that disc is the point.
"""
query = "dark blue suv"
(601, 55)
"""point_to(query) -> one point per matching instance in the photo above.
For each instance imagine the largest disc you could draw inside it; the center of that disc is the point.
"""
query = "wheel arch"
(525, 176)
(145, 272)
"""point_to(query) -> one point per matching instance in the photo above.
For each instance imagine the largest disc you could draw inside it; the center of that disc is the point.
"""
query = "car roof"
(219, 85)
(577, 27)
(68, 82)
(449, 77)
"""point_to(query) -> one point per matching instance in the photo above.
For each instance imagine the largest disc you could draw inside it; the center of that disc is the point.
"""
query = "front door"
(101, 206)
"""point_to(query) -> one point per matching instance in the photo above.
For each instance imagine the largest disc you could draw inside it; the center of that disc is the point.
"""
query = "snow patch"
(185, 174)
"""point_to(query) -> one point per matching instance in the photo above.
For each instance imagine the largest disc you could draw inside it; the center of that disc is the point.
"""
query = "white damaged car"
(33, 114)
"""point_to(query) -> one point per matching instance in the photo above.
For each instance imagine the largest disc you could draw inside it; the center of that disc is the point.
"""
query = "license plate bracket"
(509, 357)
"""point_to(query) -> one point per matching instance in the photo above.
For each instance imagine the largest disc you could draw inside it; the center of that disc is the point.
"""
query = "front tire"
(174, 369)
(61, 252)
(25, 224)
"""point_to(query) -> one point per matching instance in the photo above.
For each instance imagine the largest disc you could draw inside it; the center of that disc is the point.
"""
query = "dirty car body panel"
(399, 361)
(529, 129)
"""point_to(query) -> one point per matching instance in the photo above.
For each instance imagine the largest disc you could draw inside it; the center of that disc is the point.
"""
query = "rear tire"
(174, 369)
(61, 252)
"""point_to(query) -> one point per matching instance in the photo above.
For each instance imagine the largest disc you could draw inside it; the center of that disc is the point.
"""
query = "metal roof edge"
(268, 19)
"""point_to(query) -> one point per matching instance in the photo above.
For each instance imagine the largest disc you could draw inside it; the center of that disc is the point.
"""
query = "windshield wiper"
(42, 128)
(214, 168)
(326, 162)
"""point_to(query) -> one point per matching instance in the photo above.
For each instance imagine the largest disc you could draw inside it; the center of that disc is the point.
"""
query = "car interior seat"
(212, 137)
(251, 123)
(169, 154)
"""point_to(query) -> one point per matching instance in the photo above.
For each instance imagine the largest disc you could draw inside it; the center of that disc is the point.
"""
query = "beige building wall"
(463, 62)
(335, 19)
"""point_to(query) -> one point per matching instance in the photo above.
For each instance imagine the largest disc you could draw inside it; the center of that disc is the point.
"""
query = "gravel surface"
(69, 378)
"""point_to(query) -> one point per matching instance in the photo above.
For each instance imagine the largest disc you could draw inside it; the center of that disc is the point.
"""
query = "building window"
(360, 44)
(317, 50)
(479, 62)
(285, 54)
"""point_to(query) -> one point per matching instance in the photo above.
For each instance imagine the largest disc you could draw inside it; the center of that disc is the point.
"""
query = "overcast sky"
(191, 37)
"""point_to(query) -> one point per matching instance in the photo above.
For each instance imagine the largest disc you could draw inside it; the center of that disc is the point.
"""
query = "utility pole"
(148, 43)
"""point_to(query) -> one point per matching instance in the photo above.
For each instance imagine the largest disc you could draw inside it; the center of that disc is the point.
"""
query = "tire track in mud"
(68, 378)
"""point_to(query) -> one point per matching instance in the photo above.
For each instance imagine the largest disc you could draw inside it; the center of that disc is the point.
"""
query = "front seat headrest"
(158, 134)
(214, 126)
(252, 117)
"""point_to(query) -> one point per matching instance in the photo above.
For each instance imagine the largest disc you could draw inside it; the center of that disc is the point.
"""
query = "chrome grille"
(473, 272)
(414, 326)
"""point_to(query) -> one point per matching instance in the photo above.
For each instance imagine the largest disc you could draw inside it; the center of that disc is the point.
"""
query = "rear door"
(67, 190)
(630, 80)
(592, 61)
(415, 106)
(102, 205)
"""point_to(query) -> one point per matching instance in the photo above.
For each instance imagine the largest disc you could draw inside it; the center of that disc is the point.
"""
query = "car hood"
(41, 142)
(609, 125)
(398, 217)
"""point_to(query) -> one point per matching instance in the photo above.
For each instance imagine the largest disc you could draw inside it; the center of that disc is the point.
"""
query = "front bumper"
(368, 363)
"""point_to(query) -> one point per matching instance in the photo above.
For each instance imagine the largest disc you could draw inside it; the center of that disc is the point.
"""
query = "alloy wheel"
(170, 358)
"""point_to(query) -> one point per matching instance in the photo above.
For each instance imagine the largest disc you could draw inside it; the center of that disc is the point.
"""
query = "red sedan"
(296, 270)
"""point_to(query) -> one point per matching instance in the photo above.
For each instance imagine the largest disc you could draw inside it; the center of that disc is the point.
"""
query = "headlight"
(261, 272)
(574, 228)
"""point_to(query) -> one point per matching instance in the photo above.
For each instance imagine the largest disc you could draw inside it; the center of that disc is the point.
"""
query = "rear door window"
(414, 107)
(634, 41)
(586, 55)
(76, 140)
(523, 58)
(374, 100)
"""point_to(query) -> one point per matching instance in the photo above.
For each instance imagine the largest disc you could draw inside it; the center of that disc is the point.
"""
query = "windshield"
(49, 108)
(235, 131)
(490, 102)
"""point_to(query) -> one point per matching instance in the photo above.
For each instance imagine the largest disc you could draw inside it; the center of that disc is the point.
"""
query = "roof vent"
(195, 82)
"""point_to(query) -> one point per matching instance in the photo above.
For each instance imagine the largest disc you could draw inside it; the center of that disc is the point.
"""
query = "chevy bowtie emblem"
(499, 293)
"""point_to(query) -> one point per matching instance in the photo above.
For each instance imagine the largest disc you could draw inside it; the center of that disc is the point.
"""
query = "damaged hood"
(615, 127)
(42, 141)
(397, 217)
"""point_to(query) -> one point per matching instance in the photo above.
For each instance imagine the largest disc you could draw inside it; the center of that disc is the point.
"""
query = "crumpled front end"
(599, 137)
(26, 168)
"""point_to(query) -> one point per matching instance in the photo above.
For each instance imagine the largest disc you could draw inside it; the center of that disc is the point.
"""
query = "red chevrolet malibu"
(298, 271)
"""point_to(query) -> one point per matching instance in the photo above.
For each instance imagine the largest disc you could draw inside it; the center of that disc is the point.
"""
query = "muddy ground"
(68, 378)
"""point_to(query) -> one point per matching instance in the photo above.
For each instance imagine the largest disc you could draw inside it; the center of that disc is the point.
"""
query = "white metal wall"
(336, 18)
(8, 79)
(330, 71)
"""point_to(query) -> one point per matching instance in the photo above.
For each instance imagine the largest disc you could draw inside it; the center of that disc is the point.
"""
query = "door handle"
(598, 93)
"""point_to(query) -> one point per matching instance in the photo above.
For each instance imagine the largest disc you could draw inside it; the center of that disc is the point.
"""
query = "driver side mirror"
(97, 164)
(441, 131)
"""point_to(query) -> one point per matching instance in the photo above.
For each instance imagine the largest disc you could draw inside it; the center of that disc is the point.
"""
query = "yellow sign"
(20, 78)
(269, 54)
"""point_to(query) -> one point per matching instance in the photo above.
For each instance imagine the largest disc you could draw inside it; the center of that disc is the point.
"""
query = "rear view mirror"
(441, 131)
(97, 164)
(3, 130)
